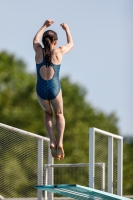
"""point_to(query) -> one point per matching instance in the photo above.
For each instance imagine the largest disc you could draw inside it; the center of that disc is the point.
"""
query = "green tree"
(80, 115)
(18, 102)
(128, 166)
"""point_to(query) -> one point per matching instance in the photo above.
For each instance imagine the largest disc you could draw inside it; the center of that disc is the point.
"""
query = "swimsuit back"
(48, 89)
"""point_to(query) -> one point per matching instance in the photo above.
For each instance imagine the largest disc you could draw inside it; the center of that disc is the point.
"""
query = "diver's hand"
(64, 26)
(48, 22)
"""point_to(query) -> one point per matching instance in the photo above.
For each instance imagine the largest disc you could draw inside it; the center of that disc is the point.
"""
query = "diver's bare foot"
(60, 153)
(53, 148)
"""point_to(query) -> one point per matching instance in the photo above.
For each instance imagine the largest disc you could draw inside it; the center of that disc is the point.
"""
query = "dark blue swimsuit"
(48, 89)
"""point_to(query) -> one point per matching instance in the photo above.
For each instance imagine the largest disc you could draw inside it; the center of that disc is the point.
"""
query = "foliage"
(19, 108)
(18, 103)
(128, 166)
(80, 115)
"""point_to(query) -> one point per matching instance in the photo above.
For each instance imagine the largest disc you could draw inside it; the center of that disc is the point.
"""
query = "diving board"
(79, 192)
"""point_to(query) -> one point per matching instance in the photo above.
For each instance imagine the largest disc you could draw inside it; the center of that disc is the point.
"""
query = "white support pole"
(103, 176)
(50, 173)
(120, 167)
(40, 167)
(45, 180)
(110, 164)
(91, 157)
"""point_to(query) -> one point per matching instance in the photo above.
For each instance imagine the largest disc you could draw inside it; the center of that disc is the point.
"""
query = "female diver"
(48, 89)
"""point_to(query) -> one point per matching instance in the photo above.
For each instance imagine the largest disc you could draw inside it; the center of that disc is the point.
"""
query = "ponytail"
(47, 45)
(48, 38)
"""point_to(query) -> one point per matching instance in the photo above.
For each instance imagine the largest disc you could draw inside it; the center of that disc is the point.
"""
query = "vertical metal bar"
(40, 167)
(120, 167)
(45, 180)
(91, 157)
(110, 164)
(50, 173)
(103, 176)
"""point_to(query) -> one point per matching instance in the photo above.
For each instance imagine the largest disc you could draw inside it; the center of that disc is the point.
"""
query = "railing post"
(45, 180)
(40, 167)
(91, 157)
(110, 164)
(50, 173)
(103, 176)
(120, 167)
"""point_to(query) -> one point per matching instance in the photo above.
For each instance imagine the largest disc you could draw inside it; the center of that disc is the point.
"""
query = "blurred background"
(102, 58)
(96, 76)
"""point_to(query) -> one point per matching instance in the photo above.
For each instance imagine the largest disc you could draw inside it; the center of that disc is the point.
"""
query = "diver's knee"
(59, 113)
(49, 113)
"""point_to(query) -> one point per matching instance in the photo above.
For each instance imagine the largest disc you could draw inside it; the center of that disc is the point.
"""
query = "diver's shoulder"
(59, 49)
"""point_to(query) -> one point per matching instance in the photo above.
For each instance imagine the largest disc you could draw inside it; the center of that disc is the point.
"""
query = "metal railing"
(7, 132)
(119, 164)
(93, 161)
(50, 167)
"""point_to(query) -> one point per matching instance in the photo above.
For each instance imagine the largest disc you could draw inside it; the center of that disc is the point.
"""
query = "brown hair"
(47, 39)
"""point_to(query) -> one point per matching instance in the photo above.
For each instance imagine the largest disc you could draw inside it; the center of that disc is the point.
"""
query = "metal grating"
(19, 162)
(101, 155)
(107, 148)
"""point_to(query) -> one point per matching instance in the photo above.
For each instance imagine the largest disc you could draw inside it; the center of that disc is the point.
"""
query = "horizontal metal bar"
(72, 165)
(4, 126)
(107, 133)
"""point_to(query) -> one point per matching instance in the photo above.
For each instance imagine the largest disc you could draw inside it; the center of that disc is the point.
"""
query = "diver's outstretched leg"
(49, 124)
(57, 104)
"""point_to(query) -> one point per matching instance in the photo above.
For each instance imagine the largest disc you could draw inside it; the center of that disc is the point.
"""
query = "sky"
(102, 58)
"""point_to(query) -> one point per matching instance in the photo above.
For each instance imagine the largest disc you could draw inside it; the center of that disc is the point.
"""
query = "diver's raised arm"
(66, 48)
(36, 40)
